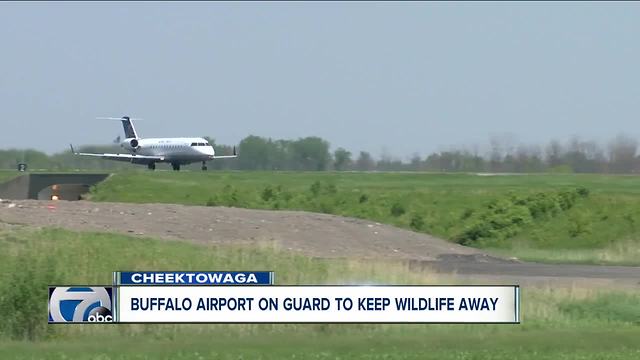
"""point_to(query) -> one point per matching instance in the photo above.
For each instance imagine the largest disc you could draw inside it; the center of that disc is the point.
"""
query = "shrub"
(541, 205)
(397, 209)
(417, 222)
(212, 202)
(363, 198)
(504, 218)
(582, 191)
(315, 188)
(466, 214)
(477, 230)
(567, 199)
(268, 194)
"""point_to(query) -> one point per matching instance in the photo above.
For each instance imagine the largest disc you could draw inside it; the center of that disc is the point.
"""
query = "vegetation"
(505, 217)
(557, 323)
(530, 217)
(7, 175)
(313, 153)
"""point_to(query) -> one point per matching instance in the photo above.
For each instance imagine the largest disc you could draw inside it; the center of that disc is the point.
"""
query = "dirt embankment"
(317, 235)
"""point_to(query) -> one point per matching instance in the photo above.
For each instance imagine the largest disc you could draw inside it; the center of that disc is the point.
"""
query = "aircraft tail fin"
(127, 125)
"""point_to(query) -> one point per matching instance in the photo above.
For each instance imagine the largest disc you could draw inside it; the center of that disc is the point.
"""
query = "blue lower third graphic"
(80, 304)
(193, 278)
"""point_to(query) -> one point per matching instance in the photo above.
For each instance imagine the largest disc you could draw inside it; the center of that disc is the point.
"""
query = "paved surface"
(317, 235)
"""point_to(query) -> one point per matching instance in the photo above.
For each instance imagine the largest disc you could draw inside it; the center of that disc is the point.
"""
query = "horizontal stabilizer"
(127, 124)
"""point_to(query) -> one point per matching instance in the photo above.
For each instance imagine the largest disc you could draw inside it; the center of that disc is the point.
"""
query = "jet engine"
(131, 144)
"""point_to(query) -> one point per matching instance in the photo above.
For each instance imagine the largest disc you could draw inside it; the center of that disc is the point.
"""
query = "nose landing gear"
(175, 166)
(151, 166)
(204, 166)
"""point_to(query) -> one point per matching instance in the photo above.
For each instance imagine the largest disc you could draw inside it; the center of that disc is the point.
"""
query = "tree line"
(619, 155)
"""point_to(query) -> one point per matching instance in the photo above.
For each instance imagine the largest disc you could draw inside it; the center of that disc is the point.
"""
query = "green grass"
(557, 323)
(445, 205)
(8, 175)
(618, 252)
(538, 344)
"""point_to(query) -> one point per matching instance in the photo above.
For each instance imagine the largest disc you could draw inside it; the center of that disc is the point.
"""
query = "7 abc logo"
(80, 304)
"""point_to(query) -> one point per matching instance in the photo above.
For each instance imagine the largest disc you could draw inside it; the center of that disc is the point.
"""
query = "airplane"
(177, 151)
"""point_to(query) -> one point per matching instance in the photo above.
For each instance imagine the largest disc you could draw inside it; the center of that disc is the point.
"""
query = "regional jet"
(177, 151)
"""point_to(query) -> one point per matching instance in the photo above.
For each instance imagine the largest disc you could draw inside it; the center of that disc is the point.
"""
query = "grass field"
(563, 217)
(557, 323)
(7, 175)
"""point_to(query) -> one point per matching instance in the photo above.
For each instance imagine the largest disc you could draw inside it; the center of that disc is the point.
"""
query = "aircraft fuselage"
(174, 150)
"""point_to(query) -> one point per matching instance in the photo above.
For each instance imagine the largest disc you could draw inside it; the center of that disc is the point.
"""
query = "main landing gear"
(151, 166)
(204, 166)
(175, 166)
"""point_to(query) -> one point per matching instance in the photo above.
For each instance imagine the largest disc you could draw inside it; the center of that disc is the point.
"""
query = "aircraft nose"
(208, 150)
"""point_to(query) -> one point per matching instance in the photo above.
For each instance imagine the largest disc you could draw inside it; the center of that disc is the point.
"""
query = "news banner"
(253, 297)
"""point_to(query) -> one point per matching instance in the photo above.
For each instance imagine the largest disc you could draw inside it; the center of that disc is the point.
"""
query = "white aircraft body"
(177, 151)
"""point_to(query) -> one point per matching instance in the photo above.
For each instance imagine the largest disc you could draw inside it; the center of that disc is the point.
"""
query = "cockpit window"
(200, 144)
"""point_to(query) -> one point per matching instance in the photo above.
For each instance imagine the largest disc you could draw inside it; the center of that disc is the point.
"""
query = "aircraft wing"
(125, 157)
(140, 159)
(235, 155)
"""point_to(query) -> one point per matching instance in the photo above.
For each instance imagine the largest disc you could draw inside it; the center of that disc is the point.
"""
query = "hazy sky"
(405, 77)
